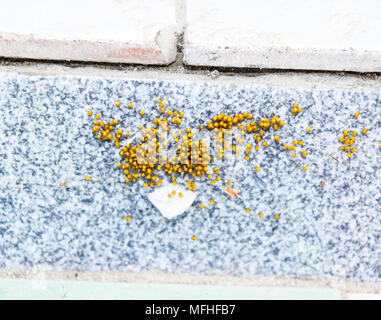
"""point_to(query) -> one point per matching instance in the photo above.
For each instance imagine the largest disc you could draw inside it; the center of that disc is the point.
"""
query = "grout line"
(294, 80)
(180, 15)
(178, 66)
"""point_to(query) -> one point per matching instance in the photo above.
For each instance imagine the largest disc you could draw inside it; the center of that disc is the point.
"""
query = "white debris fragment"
(214, 74)
(174, 206)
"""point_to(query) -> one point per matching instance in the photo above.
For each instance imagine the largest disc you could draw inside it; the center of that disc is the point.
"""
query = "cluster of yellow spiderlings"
(192, 157)
(222, 122)
(189, 151)
(103, 129)
(348, 139)
(348, 142)
(295, 109)
(293, 146)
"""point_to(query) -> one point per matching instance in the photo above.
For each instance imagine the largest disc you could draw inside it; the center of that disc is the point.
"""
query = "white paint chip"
(174, 206)
(133, 31)
(298, 34)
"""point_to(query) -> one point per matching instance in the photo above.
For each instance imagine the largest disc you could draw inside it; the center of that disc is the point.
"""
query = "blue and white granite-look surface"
(325, 230)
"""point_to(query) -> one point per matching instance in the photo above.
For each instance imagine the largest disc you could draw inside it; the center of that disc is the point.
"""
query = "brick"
(136, 31)
(322, 35)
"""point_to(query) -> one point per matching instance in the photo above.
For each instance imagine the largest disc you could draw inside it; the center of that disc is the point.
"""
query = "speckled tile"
(329, 232)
